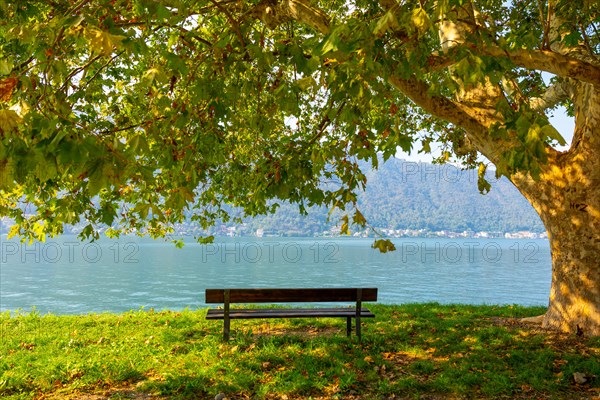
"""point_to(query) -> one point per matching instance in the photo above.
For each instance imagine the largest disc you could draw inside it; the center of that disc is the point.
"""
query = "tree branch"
(232, 21)
(549, 61)
(541, 60)
(274, 14)
(78, 70)
(453, 112)
(100, 69)
(552, 96)
(76, 8)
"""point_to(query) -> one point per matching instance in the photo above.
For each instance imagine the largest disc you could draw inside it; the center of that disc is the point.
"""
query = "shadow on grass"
(448, 351)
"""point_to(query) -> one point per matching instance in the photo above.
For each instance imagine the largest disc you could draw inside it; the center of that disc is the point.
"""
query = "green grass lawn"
(410, 351)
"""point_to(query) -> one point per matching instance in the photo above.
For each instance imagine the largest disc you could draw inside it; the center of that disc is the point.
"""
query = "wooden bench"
(336, 295)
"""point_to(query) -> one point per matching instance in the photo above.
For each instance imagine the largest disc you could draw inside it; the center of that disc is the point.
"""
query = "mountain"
(419, 196)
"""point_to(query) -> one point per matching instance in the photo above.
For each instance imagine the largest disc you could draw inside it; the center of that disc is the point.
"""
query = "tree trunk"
(569, 211)
(575, 292)
(567, 198)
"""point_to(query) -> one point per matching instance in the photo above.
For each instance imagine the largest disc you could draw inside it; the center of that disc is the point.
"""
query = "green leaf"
(306, 83)
(89, 233)
(157, 212)
(573, 38)
(7, 179)
(205, 239)
(383, 245)
(482, 183)
(420, 20)
(344, 229)
(550, 132)
(358, 218)
(154, 74)
(73, 21)
(142, 209)
(102, 42)
(162, 12)
(331, 42)
(97, 180)
(46, 170)
(5, 67)
(385, 23)
(533, 134)
(9, 120)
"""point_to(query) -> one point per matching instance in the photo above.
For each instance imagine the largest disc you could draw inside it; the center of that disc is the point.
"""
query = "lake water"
(65, 276)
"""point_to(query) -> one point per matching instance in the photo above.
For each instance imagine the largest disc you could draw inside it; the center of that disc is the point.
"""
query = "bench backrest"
(296, 295)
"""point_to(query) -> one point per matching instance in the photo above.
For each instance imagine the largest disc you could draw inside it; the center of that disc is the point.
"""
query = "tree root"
(534, 320)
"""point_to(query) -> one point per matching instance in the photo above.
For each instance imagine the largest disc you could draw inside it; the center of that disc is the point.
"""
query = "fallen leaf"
(580, 378)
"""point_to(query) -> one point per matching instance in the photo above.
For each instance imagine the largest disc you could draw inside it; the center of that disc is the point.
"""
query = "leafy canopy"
(139, 113)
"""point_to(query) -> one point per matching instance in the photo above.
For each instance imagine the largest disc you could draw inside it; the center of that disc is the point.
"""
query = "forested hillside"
(410, 195)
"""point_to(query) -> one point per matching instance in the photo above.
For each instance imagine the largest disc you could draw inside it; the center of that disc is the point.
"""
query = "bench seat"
(252, 313)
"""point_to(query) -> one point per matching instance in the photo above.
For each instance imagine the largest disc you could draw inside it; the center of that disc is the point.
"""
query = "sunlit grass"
(407, 351)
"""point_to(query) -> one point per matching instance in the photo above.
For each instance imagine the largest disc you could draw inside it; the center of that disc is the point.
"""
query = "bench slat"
(247, 313)
(292, 295)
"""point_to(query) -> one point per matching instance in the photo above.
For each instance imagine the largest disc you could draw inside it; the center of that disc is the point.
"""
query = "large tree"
(139, 113)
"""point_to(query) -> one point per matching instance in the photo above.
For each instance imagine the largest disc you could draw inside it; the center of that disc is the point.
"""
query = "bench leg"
(358, 311)
(348, 326)
(226, 322)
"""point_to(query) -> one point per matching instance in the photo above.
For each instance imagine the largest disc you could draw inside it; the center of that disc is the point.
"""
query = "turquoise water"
(64, 276)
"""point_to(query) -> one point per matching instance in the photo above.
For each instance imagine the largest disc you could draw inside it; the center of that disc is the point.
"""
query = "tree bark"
(567, 198)
(574, 304)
